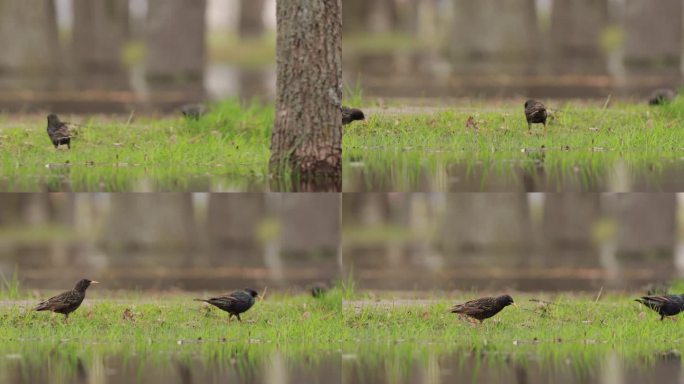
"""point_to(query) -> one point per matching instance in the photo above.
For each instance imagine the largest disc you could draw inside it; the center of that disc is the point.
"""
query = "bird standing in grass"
(67, 302)
(234, 303)
(193, 111)
(662, 96)
(535, 112)
(319, 289)
(351, 114)
(665, 305)
(59, 131)
(483, 308)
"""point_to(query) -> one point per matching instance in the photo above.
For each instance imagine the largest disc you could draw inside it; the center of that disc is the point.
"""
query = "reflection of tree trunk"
(28, 36)
(234, 218)
(569, 218)
(307, 136)
(476, 221)
(310, 222)
(251, 20)
(653, 32)
(150, 221)
(486, 29)
(175, 40)
(646, 223)
(576, 28)
(99, 33)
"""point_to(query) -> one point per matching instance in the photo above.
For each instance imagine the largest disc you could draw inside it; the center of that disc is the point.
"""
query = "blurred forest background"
(569, 241)
(113, 55)
(185, 241)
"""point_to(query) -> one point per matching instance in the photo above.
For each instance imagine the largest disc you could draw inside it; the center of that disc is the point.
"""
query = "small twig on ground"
(605, 105)
(130, 118)
(540, 301)
(263, 296)
(599, 295)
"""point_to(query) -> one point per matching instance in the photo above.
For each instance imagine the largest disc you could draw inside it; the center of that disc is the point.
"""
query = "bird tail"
(41, 307)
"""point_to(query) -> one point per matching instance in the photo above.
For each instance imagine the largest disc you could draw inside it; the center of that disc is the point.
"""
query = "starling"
(235, 303)
(351, 114)
(59, 131)
(483, 308)
(67, 302)
(535, 112)
(665, 305)
(662, 96)
(319, 289)
(193, 111)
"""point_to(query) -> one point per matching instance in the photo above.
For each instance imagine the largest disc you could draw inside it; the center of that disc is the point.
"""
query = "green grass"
(397, 150)
(573, 326)
(226, 150)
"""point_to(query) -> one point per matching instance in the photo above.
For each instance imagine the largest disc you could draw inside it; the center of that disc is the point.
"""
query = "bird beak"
(94, 282)
(515, 305)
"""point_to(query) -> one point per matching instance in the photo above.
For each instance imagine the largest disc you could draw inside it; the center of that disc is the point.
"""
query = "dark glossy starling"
(67, 302)
(235, 303)
(665, 305)
(483, 308)
(351, 114)
(193, 111)
(661, 96)
(535, 112)
(59, 131)
(319, 289)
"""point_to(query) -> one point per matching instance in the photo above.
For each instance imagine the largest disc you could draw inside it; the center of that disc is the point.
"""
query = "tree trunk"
(175, 40)
(235, 218)
(99, 34)
(569, 219)
(148, 222)
(646, 224)
(251, 21)
(576, 28)
(307, 136)
(310, 222)
(486, 221)
(653, 32)
(495, 29)
(28, 36)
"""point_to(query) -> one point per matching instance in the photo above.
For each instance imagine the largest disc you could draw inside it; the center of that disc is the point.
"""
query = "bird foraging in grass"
(60, 133)
(662, 96)
(351, 114)
(68, 301)
(319, 289)
(535, 112)
(483, 308)
(665, 305)
(193, 111)
(234, 303)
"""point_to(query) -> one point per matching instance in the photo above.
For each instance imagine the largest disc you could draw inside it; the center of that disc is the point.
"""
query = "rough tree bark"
(653, 32)
(99, 33)
(485, 29)
(175, 40)
(251, 20)
(307, 136)
(28, 36)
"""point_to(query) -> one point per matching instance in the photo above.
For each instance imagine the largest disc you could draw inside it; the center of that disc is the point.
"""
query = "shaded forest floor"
(227, 149)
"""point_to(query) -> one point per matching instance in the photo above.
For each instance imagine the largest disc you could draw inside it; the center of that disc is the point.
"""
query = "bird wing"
(62, 131)
(475, 307)
(535, 110)
(656, 302)
(58, 302)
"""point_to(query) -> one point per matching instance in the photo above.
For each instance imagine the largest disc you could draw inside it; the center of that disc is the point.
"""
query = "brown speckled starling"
(319, 289)
(666, 305)
(234, 303)
(661, 96)
(59, 131)
(483, 308)
(535, 112)
(351, 114)
(67, 302)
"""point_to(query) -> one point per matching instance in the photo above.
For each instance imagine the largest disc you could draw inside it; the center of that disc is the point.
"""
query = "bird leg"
(545, 128)
(66, 318)
(529, 127)
(230, 316)
(238, 316)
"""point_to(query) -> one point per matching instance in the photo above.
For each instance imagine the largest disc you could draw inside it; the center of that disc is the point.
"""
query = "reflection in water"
(226, 366)
(531, 171)
(430, 367)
